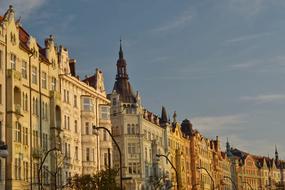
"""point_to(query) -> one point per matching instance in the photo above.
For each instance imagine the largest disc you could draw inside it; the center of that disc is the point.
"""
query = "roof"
(92, 80)
(122, 85)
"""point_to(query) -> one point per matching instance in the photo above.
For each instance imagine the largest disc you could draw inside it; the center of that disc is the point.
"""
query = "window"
(76, 153)
(114, 101)
(68, 123)
(46, 111)
(105, 159)
(18, 132)
(53, 83)
(13, 59)
(64, 95)
(75, 101)
(17, 168)
(65, 150)
(25, 102)
(65, 122)
(35, 139)
(104, 135)
(131, 148)
(37, 107)
(26, 170)
(24, 70)
(45, 142)
(68, 150)
(75, 126)
(87, 154)
(104, 112)
(25, 136)
(67, 96)
(44, 80)
(87, 104)
(34, 75)
(87, 128)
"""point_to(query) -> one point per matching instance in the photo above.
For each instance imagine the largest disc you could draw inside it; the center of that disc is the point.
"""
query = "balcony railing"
(37, 153)
(14, 74)
(17, 109)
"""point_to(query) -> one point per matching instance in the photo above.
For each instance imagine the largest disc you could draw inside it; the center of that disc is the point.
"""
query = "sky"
(219, 63)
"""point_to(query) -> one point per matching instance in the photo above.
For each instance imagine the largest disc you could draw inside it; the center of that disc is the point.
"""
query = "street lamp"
(248, 184)
(42, 163)
(3, 150)
(213, 183)
(120, 153)
(234, 184)
(176, 173)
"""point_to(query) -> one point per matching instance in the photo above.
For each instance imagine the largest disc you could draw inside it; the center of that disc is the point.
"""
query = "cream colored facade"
(46, 107)
(139, 135)
(180, 156)
(85, 151)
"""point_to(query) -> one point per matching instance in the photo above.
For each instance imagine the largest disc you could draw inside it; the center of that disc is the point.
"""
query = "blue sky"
(219, 63)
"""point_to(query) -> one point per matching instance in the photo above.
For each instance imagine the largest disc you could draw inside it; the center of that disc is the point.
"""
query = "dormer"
(50, 50)
(33, 46)
(100, 81)
(63, 60)
(11, 26)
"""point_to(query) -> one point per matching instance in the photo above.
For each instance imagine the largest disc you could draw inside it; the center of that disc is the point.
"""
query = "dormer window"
(13, 38)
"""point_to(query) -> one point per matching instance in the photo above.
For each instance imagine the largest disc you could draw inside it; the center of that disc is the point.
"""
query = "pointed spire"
(163, 115)
(276, 153)
(174, 117)
(121, 54)
(228, 146)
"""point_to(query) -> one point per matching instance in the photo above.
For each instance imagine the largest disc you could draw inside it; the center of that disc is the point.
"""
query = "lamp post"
(248, 184)
(213, 183)
(120, 153)
(176, 173)
(41, 166)
(234, 184)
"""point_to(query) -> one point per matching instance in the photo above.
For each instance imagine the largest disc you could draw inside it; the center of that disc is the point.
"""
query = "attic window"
(13, 38)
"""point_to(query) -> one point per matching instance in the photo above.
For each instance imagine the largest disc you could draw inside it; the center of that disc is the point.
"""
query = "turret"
(163, 117)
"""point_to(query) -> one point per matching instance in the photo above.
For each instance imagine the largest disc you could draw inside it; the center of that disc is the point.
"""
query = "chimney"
(72, 63)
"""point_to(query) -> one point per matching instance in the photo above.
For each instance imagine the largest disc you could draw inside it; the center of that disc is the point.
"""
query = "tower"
(122, 85)
(276, 154)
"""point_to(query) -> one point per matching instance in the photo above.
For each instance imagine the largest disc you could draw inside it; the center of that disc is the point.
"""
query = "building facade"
(138, 133)
(47, 113)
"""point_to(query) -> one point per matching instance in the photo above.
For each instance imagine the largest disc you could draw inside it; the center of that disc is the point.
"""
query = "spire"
(228, 146)
(174, 117)
(276, 153)
(163, 119)
(121, 65)
(122, 84)
(121, 54)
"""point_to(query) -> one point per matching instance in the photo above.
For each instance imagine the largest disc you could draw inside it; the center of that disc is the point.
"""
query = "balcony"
(55, 95)
(37, 153)
(13, 74)
(17, 109)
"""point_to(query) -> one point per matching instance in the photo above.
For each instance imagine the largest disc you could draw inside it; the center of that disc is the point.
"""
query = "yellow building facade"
(45, 109)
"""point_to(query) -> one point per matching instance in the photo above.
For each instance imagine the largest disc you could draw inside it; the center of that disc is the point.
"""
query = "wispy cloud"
(265, 98)
(178, 22)
(23, 8)
(209, 123)
(248, 37)
(271, 63)
(159, 59)
(246, 7)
